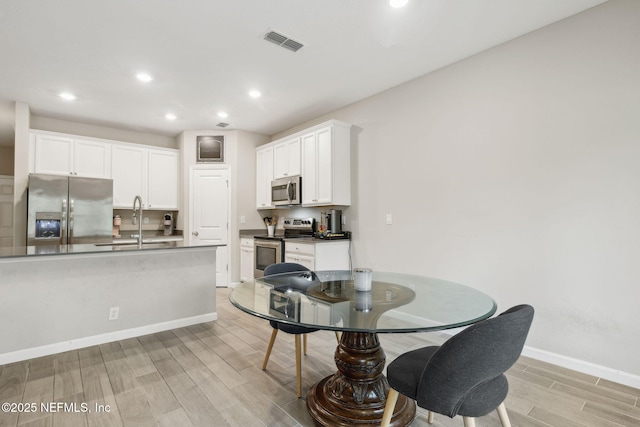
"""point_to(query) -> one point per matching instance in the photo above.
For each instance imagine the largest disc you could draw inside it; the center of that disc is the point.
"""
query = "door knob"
(195, 233)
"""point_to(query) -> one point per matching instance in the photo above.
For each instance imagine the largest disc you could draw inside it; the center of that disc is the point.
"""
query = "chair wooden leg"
(469, 421)
(502, 414)
(298, 367)
(338, 336)
(392, 398)
(304, 340)
(431, 417)
(271, 341)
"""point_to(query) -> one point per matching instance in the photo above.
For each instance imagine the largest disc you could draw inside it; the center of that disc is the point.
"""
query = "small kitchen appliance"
(334, 221)
(168, 224)
(286, 191)
(117, 222)
(333, 228)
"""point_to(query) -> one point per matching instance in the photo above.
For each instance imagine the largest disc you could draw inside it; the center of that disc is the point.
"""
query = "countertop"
(119, 244)
(252, 233)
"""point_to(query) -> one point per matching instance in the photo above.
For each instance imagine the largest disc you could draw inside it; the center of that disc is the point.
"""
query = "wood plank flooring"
(209, 375)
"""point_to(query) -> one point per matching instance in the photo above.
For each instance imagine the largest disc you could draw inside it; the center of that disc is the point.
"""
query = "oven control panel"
(306, 224)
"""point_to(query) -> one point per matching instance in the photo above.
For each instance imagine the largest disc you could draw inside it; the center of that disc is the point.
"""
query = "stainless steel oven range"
(270, 250)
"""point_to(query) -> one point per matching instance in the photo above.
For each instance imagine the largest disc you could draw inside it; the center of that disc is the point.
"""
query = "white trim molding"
(583, 366)
(46, 350)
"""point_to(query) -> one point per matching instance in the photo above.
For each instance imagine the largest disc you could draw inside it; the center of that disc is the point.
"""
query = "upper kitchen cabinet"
(264, 176)
(326, 165)
(149, 173)
(286, 158)
(66, 155)
(129, 175)
(163, 179)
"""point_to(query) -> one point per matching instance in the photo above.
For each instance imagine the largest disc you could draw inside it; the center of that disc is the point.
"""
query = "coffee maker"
(334, 221)
(168, 224)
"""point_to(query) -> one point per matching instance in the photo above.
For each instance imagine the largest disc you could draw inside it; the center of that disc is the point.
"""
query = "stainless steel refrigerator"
(69, 210)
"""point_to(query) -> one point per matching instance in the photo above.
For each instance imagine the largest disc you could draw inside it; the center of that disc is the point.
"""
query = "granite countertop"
(152, 242)
(253, 233)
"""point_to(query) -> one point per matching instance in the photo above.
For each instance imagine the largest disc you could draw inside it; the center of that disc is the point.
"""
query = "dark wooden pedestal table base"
(356, 394)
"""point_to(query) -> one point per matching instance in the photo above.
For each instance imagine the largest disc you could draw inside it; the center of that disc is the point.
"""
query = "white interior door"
(209, 222)
(6, 212)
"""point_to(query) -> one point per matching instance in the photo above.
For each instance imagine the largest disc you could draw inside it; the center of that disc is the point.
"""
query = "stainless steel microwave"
(286, 191)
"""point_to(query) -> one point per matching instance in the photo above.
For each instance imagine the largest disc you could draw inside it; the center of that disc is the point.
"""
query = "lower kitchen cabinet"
(323, 255)
(246, 259)
(261, 297)
(314, 310)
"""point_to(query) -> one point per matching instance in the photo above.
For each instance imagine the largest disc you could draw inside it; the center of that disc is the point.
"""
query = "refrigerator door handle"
(71, 208)
(63, 228)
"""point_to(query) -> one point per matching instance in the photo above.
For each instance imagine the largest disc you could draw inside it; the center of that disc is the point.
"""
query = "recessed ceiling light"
(170, 116)
(68, 96)
(223, 115)
(398, 3)
(255, 93)
(144, 77)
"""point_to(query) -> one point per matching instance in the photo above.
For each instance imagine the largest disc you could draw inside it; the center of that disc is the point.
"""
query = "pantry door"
(209, 224)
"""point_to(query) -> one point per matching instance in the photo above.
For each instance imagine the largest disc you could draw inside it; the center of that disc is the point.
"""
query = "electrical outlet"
(146, 220)
(243, 219)
(389, 219)
(113, 313)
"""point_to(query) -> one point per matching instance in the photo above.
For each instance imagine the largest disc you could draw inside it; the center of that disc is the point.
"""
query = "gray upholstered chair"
(297, 331)
(465, 375)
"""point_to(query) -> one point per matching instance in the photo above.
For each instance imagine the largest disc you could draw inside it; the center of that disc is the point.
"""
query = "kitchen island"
(57, 301)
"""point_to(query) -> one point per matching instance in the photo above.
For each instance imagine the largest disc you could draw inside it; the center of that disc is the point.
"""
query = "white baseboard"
(583, 366)
(578, 365)
(45, 350)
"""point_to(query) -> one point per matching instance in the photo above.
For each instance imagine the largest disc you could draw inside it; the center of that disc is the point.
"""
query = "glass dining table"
(397, 303)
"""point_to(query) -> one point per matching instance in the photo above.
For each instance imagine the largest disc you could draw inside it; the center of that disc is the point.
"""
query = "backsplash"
(155, 223)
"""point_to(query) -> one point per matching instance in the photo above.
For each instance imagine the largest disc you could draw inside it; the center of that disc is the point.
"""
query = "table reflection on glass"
(356, 393)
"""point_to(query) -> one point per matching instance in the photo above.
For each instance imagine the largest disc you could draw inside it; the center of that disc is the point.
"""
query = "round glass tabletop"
(395, 303)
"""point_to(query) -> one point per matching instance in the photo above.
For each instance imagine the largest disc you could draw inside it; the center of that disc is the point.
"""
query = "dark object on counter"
(343, 235)
(334, 221)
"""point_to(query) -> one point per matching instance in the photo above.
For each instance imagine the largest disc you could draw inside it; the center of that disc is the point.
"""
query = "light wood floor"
(209, 375)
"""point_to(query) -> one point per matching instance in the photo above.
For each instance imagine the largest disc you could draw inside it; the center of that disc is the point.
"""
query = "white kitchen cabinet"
(300, 253)
(261, 297)
(65, 155)
(246, 259)
(129, 172)
(264, 176)
(162, 179)
(149, 173)
(286, 158)
(314, 311)
(326, 165)
(323, 255)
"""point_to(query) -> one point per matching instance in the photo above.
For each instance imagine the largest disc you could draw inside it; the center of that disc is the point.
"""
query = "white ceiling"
(205, 55)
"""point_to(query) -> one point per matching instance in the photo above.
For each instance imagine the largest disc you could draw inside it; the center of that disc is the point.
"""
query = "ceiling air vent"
(283, 41)
(222, 125)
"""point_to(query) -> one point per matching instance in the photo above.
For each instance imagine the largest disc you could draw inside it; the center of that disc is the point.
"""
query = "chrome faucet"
(138, 199)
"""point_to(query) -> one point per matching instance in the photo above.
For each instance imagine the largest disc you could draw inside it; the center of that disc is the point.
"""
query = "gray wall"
(82, 129)
(516, 172)
(56, 302)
